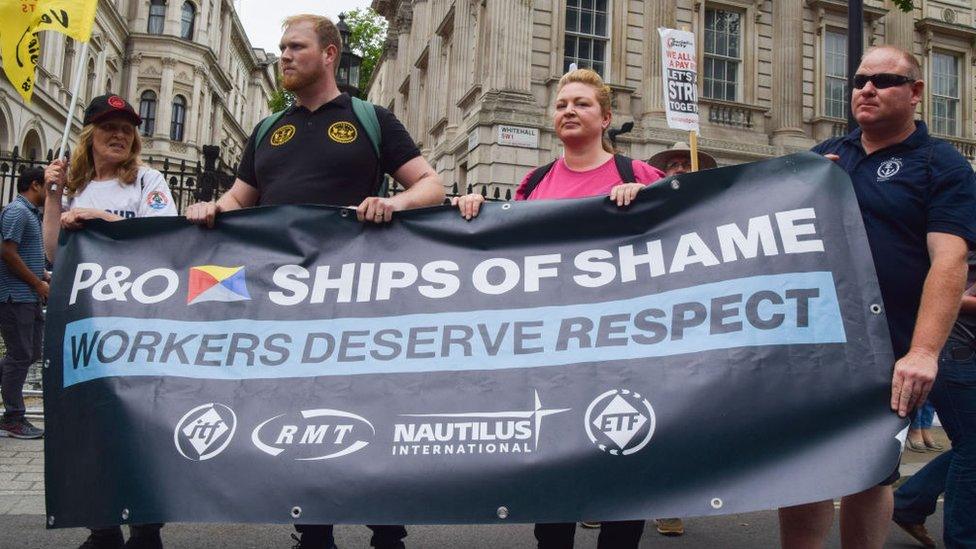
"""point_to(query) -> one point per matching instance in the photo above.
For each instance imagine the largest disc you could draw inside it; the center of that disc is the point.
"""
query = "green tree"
(904, 5)
(367, 34)
(281, 98)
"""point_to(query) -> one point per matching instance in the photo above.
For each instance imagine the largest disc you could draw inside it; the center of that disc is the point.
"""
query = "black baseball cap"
(105, 106)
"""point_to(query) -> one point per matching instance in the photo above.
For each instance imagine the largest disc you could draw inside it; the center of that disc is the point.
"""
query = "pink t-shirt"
(562, 182)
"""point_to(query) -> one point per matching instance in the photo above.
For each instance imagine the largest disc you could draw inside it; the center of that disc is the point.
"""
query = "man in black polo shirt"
(319, 152)
(917, 197)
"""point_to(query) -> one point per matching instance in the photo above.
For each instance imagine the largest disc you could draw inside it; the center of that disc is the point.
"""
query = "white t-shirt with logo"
(147, 196)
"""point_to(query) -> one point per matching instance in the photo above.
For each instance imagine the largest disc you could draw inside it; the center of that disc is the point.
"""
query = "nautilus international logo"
(216, 283)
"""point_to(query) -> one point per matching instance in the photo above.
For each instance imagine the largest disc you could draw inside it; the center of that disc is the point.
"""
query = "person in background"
(23, 290)
(677, 160)
(589, 167)
(920, 431)
(105, 180)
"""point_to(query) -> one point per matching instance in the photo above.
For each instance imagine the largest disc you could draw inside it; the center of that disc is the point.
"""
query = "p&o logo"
(620, 422)
(888, 169)
(313, 435)
(216, 283)
(205, 431)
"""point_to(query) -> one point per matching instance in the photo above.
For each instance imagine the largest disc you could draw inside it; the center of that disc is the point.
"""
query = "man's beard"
(295, 81)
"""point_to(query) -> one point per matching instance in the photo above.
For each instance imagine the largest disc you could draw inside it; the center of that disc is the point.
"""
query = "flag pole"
(74, 97)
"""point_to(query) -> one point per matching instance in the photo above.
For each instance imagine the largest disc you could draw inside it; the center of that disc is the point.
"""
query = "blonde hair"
(82, 168)
(324, 27)
(603, 95)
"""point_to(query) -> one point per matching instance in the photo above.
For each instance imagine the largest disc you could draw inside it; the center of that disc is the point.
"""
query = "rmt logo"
(313, 435)
(620, 422)
(205, 431)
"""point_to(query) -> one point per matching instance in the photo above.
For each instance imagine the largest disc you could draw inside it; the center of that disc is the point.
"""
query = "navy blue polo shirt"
(905, 191)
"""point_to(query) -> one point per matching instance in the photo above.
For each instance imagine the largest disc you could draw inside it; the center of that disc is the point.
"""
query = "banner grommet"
(717, 503)
(875, 308)
(125, 514)
(503, 512)
(296, 512)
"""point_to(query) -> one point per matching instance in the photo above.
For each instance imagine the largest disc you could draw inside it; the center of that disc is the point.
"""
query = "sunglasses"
(881, 80)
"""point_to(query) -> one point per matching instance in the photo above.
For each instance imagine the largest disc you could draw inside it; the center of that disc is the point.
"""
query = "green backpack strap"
(265, 125)
(366, 114)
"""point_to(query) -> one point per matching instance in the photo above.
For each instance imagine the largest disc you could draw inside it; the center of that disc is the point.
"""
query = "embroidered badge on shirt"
(342, 132)
(282, 135)
(157, 200)
(888, 169)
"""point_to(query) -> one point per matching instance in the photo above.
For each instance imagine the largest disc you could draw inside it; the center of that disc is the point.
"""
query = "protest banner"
(700, 352)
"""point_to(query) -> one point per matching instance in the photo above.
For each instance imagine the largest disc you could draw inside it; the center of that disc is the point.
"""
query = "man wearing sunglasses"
(917, 196)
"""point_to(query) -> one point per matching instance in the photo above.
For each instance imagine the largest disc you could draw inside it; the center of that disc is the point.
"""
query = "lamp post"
(855, 48)
(347, 77)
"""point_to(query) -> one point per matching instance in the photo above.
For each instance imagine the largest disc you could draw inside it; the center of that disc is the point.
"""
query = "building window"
(147, 110)
(157, 16)
(187, 16)
(945, 94)
(835, 75)
(586, 35)
(179, 118)
(723, 54)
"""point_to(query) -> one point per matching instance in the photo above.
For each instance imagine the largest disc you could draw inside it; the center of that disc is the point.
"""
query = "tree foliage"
(281, 98)
(904, 5)
(367, 34)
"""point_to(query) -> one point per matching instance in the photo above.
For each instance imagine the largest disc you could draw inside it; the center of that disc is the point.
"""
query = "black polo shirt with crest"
(323, 157)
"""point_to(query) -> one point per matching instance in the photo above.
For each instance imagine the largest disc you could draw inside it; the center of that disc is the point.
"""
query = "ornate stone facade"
(457, 72)
(190, 57)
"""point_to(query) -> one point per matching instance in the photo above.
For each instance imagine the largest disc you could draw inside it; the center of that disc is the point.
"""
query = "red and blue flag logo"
(216, 283)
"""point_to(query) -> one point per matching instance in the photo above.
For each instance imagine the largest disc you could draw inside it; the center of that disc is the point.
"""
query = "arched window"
(187, 15)
(179, 118)
(108, 85)
(157, 16)
(147, 110)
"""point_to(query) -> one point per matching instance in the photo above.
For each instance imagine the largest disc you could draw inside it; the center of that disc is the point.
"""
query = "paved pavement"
(22, 521)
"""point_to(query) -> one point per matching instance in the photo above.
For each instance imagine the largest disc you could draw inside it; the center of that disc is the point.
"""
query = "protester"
(954, 397)
(677, 160)
(917, 196)
(23, 288)
(319, 152)
(104, 180)
(920, 431)
(588, 168)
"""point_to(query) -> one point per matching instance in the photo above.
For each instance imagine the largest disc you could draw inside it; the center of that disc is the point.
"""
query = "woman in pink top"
(588, 168)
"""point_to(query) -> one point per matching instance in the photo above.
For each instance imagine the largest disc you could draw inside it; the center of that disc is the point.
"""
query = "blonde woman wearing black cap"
(104, 180)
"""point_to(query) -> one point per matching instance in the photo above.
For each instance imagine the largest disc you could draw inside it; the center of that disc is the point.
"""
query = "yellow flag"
(20, 20)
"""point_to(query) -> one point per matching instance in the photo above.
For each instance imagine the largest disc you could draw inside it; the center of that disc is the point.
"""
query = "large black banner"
(719, 346)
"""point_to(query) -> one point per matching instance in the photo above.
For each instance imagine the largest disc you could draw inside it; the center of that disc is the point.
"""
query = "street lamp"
(347, 77)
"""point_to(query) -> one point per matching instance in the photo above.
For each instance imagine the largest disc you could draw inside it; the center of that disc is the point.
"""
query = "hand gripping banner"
(719, 346)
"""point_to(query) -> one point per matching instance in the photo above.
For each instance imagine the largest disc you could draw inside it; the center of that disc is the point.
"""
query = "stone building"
(475, 80)
(187, 65)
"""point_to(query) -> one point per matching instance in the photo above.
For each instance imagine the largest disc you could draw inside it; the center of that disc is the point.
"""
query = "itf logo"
(205, 431)
(620, 422)
(215, 283)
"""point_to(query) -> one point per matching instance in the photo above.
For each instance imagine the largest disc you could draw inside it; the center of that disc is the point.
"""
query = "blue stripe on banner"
(794, 308)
